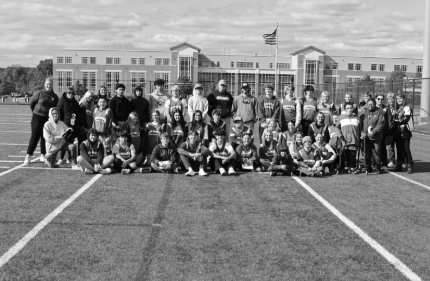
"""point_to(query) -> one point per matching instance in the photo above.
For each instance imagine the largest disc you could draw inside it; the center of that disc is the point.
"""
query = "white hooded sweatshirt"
(198, 102)
(52, 132)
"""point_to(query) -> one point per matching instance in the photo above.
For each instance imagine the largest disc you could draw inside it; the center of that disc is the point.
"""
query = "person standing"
(348, 98)
(268, 108)
(157, 100)
(309, 108)
(87, 107)
(291, 109)
(390, 113)
(215, 124)
(175, 103)
(40, 104)
(121, 108)
(198, 102)
(140, 105)
(326, 108)
(380, 105)
(403, 119)
(245, 106)
(222, 100)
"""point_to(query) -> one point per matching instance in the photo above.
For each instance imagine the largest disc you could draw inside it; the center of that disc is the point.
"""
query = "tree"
(79, 88)
(395, 81)
(185, 87)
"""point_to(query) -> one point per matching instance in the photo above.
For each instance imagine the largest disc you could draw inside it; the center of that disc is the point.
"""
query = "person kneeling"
(247, 158)
(193, 155)
(283, 163)
(309, 159)
(92, 158)
(222, 154)
(163, 157)
(55, 133)
(125, 154)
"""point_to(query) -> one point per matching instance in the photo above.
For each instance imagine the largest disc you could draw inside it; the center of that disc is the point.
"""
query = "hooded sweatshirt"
(222, 101)
(245, 107)
(93, 152)
(42, 101)
(136, 133)
(140, 105)
(158, 101)
(246, 152)
(198, 102)
(67, 107)
(121, 108)
(268, 108)
(52, 132)
(163, 153)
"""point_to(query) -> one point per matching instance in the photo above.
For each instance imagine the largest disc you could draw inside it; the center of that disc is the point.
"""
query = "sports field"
(60, 224)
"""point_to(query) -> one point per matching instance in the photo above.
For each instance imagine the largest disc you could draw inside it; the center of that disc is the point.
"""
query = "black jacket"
(67, 107)
(121, 108)
(140, 105)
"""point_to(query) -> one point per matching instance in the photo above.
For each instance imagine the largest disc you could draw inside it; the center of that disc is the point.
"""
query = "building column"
(425, 91)
(236, 82)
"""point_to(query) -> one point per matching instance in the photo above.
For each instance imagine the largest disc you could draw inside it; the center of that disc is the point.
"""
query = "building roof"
(185, 44)
(307, 48)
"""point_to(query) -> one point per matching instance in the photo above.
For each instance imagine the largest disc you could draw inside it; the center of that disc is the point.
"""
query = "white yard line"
(409, 180)
(18, 156)
(2, 167)
(400, 266)
(41, 225)
(18, 132)
(16, 123)
(50, 169)
(11, 161)
(13, 144)
(14, 168)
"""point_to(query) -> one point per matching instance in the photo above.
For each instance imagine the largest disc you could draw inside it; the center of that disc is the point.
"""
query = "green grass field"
(245, 227)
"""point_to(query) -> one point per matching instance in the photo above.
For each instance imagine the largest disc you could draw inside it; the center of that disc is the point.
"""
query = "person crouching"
(193, 155)
(55, 133)
(283, 163)
(309, 159)
(125, 154)
(92, 158)
(163, 157)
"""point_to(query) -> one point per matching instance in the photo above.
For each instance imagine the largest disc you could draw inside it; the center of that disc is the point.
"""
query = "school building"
(310, 65)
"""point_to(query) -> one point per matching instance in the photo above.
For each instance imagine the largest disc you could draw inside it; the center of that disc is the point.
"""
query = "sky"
(31, 29)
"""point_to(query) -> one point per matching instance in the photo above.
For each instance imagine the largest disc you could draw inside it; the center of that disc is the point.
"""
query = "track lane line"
(17, 167)
(15, 249)
(399, 265)
(409, 180)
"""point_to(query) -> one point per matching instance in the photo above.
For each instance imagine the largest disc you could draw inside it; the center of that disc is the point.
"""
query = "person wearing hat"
(175, 103)
(247, 155)
(121, 108)
(283, 163)
(157, 100)
(237, 132)
(268, 108)
(309, 159)
(222, 100)
(198, 102)
(140, 105)
(245, 106)
(291, 109)
(223, 156)
(309, 104)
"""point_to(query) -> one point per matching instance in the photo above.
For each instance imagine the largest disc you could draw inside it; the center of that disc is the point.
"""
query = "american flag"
(270, 39)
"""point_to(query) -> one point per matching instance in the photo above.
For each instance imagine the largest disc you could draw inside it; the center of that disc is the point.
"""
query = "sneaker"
(258, 169)
(391, 165)
(106, 171)
(125, 171)
(385, 168)
(326, 170)
(356, 171)
(27, 160)
(88, 171)
(190, 173)
(75, 167)
(319, 174)
(42, 158)
(273, 174)
(222, 172)
(140, 170)
(346, 168)
(176, 171)
(68, 161)
(61, 161)
(404, 165)
(231, 171)
(202, 173)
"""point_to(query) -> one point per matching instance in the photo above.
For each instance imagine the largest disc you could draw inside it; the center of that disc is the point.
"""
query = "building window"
(397, 68)
(133, 60)
(84, 60)
(158, 61)
(353, 80)
(137, 79)
(109, 60)
(244, 64)
(185, 67)
(89, 81)
(373, 67)
(111, 79)
(329, 82)
(68, 60)
(93, 60)
(166, 61)
(350, 66)
(358, 66)
(311, 72)
(218, 63)
(419, 68)
(404, 68)
(60, 60)
(257, 65)
(142, 61)
(382, 67)
(64, 80)
(327, 66)
(117, 61)
(232, 64)
(271, 65)
(335, 65)
(165, 77)
(284, 65)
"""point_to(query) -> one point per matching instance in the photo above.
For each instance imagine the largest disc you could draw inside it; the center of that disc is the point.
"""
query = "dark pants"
(372, 147)
(37, 123)
(350, 158)
(71, 139)
(404, 151)
(66, 147)
(217, 164)
(384, 156)
(390, 143)
(188, 162)
(305, 127)
(117, 165)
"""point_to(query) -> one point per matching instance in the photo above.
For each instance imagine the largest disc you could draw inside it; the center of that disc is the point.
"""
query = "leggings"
(405, 154)
(37, 123)
(66, 147)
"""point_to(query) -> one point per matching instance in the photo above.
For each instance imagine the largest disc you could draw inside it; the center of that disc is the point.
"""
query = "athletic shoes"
(258, 169)
(61, 161)
(231, 171)
(356, 171)
(75, 167)
(326, 170)
(27, 160)
(141, 170)
(391, 165)
(176, 171)
(106, 171)
(202, 173)
(222, 172)
(125, 171)
(273, 174)
(190, 173)
(88, 171)
(319, 174)
(42, 158)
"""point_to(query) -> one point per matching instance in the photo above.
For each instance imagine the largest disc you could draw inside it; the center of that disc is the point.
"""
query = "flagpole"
(276, 61)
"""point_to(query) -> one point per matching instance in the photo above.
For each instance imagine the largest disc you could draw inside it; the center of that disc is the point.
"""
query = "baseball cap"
(307, 138)
(198, 85)
(245, 86)
(222, 82)
(237, 118)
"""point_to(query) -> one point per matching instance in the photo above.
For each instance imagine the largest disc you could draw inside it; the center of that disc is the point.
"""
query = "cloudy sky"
(31, 29)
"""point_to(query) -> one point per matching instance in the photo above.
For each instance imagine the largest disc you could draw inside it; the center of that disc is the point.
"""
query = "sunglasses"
(380, 99)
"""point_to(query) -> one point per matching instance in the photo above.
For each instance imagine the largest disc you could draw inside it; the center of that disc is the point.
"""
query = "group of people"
(165, 132)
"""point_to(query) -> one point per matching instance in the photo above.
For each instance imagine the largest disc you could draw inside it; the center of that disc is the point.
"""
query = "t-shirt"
(124, 152)
(309, 158)
(225, 150)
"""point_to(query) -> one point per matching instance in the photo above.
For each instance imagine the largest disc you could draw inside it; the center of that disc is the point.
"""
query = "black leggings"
(406, 151)
(37, 123)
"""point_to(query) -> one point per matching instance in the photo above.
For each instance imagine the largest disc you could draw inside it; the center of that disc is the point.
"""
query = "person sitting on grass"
(267, 150)
(193, 155)
(92, 158)
(309, 159)
(55, 132)
(237, 131)
(247, 156)
(283, 163)
(137, 137)
(327, 153)
(163, 157)
(286, 138)
(222, 155)
(125, 154)
(295, 147)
